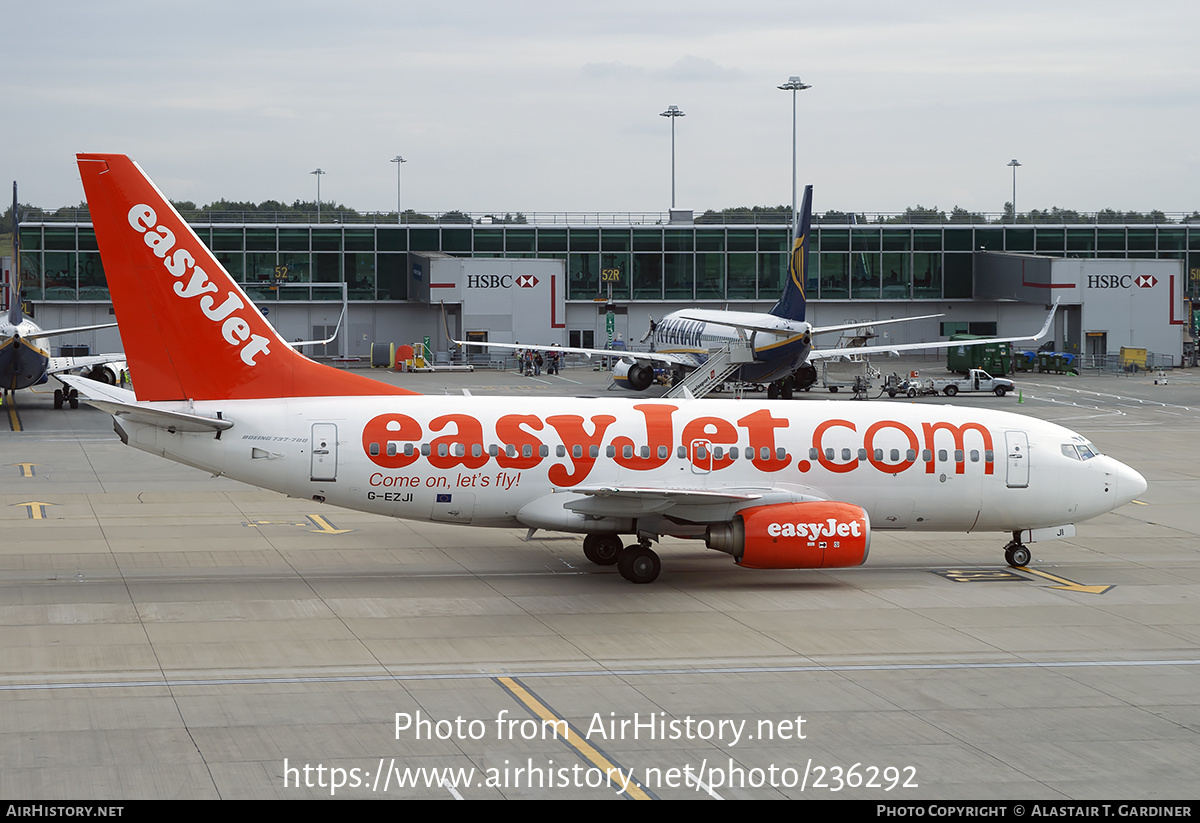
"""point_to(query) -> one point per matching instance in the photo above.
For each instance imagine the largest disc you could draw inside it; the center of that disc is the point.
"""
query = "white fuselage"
(482, 461)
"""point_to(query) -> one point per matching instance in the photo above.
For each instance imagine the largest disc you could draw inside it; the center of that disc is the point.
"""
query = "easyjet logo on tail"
(194, 284)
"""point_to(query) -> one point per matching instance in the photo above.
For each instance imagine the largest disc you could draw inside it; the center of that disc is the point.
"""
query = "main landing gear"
(637, 562)
(602, 549)
(70, 397)
(1017, 554)
(781, 389)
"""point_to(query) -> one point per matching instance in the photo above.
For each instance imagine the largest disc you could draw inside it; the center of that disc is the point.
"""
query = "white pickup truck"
(976, 380)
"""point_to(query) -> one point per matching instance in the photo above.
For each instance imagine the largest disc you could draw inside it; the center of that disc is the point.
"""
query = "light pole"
(672, 112)
(318, 172)
(399, 161)
(794, 85)
(1014, 165)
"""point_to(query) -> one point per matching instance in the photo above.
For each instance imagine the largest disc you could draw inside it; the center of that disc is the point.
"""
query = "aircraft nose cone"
(1130, 483)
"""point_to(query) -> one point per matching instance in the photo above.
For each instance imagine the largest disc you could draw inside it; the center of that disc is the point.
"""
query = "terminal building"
(548, 280)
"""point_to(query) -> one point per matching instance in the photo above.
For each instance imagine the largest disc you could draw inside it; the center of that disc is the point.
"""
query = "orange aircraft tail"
(189, 330)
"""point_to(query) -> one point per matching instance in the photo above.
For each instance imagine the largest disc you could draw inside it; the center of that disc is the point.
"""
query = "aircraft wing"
(327, 340)
(124, 403)
(693, 504)
(670, 358)
(782, 327)
(56, 332)
(826, 354)
(58, 365)
(871, 323)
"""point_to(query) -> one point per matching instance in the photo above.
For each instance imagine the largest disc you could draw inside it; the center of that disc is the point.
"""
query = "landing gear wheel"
(638, 564)
(786, 387)
(602, 549)
(1017, 556)
(773, 391)
(951, 391)
(58, 398)
(73, 398)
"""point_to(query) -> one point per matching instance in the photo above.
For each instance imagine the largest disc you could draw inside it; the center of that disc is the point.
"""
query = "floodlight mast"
(794, 85)
(399, 161)
(672, 112)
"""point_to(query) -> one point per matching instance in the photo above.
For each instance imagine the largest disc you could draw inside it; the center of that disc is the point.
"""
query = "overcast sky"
(539, 106)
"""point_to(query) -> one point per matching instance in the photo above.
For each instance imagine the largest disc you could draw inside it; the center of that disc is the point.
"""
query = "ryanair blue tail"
(791, 302)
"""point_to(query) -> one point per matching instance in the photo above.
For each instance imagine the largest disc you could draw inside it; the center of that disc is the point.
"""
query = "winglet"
(189, 330)
(1050, 319)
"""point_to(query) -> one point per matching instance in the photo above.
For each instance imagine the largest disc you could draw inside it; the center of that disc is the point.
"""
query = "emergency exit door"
(323, 465)
(1016, 445)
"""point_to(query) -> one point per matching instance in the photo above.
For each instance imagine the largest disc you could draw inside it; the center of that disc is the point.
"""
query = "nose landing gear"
(1017, 554)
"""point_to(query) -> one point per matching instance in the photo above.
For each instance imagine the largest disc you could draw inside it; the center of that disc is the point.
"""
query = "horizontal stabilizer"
(73, 330)
(124, 404)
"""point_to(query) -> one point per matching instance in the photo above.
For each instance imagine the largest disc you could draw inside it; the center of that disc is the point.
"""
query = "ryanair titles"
(679, 333)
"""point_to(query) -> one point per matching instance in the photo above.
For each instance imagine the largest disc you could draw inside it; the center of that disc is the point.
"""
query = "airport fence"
(1112, 363)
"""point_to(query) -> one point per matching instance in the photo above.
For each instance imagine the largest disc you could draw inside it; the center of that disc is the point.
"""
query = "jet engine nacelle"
(109, 373)
(820, 534)
(638, 376)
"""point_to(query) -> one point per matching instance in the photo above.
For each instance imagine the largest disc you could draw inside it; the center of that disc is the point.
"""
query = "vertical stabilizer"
(791, 302)
(189, 330)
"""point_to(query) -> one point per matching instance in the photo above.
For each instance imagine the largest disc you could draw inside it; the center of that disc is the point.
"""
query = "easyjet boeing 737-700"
(774, 485)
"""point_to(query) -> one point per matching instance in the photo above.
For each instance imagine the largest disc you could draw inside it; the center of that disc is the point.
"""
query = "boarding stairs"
(722, 361)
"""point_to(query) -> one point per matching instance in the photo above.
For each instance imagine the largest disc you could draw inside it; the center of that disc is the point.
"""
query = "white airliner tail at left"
(773, 485)
(25, 359)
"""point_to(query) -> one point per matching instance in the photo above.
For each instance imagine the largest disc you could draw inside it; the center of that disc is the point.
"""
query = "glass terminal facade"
(670, 262)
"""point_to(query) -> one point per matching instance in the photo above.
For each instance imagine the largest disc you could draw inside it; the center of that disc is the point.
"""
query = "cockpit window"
(1079, 450)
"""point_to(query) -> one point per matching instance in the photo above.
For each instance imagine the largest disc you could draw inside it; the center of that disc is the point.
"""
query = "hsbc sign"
(501, 281)
(1121, 281)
